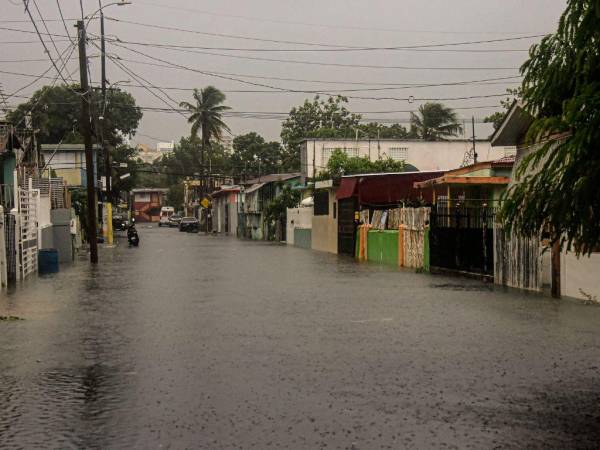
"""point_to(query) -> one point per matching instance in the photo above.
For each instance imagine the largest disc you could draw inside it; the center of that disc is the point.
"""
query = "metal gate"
(346, 226)
(10, 246)
(462, 239)
(28, 231)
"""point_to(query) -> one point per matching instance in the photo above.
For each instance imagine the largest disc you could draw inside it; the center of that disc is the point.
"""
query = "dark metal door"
(346, 226)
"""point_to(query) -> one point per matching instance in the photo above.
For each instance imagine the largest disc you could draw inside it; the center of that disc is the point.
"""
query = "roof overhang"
(462, 181)
(513, 127)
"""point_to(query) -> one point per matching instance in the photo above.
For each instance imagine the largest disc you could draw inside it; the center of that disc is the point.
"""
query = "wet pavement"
(194, 341)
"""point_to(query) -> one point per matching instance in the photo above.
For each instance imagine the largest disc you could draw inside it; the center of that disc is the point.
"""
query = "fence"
(411, 237)
(28, 231)
(518, 260)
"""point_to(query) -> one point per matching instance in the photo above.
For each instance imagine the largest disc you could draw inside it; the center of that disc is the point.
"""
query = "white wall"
(580, 274)
(425, 156)
(298, 218)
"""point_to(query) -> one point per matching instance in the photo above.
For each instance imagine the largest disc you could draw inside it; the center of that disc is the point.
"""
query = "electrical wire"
(26, 4)
(332, 47)
(302, 62)
(329, 25)
(70, 76)
(393, 87)
(212, 74)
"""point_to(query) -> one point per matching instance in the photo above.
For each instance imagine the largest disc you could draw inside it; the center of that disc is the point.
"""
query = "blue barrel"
(48, 260)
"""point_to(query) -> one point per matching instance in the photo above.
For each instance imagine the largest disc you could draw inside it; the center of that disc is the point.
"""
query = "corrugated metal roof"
(254, 187)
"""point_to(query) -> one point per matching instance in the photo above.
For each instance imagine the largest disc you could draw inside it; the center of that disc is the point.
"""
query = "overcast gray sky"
(351, 23)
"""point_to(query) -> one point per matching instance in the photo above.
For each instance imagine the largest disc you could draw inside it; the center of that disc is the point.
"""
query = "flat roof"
(67, 147)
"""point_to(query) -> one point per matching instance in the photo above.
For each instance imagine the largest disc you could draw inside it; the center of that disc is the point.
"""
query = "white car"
(165, 213)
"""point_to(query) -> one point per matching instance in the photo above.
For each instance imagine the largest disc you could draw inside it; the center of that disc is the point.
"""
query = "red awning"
(346, 189)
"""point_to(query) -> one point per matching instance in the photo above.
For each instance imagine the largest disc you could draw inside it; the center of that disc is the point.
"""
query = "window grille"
(399, 153)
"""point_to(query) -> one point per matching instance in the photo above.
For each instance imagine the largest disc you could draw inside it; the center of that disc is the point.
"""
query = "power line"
(332, 47)
(329, 25)
(398, 87)
(212, 74)
(298, 61)
(26, 4)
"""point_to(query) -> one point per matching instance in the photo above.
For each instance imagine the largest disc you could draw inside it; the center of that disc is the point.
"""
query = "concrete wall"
(297, 218)
(425, 156)
(580, 274)
(324, 235)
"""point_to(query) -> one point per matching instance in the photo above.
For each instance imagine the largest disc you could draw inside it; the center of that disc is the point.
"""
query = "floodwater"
(194, 341)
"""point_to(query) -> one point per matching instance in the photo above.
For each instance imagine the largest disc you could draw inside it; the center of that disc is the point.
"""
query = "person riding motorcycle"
(132, 235)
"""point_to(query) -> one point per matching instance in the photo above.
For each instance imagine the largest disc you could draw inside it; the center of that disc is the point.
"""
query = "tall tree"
(559, 181)
(434, 122)
(55, 114)
(315, 118)
(497, 118)
(252, 154)
(207, 116)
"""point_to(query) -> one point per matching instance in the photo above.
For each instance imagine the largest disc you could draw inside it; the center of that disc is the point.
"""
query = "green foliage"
(175, 196)
(306, 121)
(498, 117)
(251, 154)
(56, 111)
(559, 181)
(277, 208)
(434, 122)
(123, 154)
(207, 116)
(340, 163)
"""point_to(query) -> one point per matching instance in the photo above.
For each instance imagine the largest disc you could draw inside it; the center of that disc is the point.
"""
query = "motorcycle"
(132, 235)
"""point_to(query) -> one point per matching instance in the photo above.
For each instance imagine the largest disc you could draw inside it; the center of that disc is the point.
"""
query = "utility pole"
(108, 235)
(474, 149)
(86, 131)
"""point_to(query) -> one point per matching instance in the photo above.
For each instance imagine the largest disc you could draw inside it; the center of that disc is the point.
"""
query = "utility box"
(61, 233)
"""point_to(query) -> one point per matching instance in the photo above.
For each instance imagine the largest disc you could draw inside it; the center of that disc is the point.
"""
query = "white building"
(165, 147)
(422, 155)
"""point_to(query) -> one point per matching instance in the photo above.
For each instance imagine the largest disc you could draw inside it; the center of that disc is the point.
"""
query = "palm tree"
(206, 115)
(435, 122)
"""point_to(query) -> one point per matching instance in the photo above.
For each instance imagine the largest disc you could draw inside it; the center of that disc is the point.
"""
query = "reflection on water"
(196, 341)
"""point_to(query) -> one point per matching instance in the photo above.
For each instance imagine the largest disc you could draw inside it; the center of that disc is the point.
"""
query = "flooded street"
(194, 341)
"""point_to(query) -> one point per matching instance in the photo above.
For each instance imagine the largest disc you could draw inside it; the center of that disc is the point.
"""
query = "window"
(321, 201)
(399, 153)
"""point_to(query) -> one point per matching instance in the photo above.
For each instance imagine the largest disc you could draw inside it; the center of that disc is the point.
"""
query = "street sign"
(205, 203)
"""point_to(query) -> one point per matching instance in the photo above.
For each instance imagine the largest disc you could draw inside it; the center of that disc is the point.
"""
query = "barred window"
(399, 153)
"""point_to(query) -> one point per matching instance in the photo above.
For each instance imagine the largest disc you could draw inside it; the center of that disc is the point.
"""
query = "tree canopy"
(252, 154)
(558, 182)
(56, 111)
(434, 122)
(206, 115)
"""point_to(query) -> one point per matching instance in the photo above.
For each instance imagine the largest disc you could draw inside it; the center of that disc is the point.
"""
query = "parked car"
(174, 220)
(165, 213)
(189, 224)
(119, 222)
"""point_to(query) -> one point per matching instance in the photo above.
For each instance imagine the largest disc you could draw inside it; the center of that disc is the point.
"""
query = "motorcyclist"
(132, 235)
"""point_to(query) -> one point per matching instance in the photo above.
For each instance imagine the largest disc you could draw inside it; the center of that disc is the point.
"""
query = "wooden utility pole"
(86, 131)
(474, 149)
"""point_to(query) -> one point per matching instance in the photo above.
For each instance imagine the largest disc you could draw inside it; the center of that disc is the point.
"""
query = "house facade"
(418, 155)
(147, 202)
(564, 272)
(67, 161)
(225, 210)
(255, 196)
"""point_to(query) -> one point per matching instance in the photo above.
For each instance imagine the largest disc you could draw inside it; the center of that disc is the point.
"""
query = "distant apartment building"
(147, 154)
(164, 147)
(418, 155)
